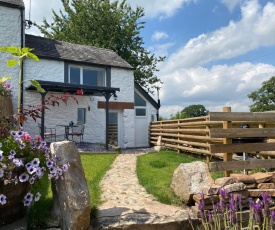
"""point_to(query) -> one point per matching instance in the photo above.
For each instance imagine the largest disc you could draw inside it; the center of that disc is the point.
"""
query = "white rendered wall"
(10, 35)
(95, 131)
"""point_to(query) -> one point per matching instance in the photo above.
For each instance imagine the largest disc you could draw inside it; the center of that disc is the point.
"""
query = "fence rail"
(215, 134)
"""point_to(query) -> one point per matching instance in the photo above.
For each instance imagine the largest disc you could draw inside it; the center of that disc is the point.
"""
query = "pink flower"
(26, 137)
(38, 138)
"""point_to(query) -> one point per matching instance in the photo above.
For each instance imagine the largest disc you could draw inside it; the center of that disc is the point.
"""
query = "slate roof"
(13, 3)
(58, 50)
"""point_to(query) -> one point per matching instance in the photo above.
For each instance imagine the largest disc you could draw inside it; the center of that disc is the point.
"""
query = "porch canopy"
(61, 87)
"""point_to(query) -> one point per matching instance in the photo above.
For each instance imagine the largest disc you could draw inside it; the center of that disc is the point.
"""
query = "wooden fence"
(219, 134)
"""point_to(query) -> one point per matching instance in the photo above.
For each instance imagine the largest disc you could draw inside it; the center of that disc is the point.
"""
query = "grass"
(155, 172)
(95, 166)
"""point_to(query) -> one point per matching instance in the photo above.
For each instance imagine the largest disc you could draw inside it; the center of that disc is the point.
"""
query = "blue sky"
(217, 51)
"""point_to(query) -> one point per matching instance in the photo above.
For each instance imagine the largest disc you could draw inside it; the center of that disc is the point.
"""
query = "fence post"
(178, 150)
(227, 156)
(261, 126)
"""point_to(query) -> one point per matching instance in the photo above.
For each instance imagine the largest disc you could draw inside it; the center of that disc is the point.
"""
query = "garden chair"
(48, 132)
(78, 131)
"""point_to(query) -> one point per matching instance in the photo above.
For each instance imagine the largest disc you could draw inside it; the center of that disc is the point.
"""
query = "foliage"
(190, 111)
(263, 98)
(32, 156)
(225, 214)
(195, 111)
(155, 173)
(106, 24)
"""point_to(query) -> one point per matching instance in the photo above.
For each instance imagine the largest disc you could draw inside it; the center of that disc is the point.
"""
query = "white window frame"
(89, 68)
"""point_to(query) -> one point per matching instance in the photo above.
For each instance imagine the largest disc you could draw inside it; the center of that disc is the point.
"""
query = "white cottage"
(113, 106)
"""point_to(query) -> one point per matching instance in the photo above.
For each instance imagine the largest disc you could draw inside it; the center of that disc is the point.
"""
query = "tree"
(195, 111)
(263, 98)
(110, 25)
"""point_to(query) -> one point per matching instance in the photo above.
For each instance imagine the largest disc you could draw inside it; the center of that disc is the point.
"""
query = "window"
(87, 76)
(140, 106)
(81, 116)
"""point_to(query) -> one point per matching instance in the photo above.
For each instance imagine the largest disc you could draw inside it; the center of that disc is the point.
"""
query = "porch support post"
(43, 96)
(107, 97)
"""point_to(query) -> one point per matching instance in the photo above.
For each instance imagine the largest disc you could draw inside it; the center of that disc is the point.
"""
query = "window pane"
(90, 77)
(140, 112)
(95, 77)
(81, 116)
(75, 75)
(139, 101)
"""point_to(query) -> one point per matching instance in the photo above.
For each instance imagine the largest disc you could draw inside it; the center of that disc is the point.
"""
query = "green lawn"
(155, 172)
(95, 166)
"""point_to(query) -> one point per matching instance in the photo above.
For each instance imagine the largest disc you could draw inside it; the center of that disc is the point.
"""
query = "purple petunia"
(3, 199)
(1, 173)
(35, 162)
(37, 196)
(1, 155)
(23, 177)
(17, 162)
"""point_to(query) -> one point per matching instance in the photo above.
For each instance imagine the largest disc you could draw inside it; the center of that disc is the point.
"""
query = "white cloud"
(158, 35)
(160, 8)
(231, 4)
(222, 85)
(255, 29)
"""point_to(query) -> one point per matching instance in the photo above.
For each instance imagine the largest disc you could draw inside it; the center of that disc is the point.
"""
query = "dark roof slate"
(13, 3)
(52, 49)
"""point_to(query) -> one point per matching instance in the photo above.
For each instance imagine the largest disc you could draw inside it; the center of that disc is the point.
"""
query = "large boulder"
(190, 179)
(71, 197)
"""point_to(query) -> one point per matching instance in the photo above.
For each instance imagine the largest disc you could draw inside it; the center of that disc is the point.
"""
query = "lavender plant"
(230, 208)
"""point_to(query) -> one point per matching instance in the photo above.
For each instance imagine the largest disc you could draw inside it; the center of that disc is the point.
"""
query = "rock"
(70, 192)
(257, 192)
(246, 179)
(211, 189)
(235, 187)
(159, 146)
(189, 179)
(266, 186)
(261, 177)
(225, 181)
(254, 185)
(207, 199)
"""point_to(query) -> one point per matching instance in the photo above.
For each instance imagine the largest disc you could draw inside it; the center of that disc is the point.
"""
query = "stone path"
(127, 205)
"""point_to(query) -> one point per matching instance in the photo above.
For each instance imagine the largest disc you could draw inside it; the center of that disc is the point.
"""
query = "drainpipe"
(22, 64)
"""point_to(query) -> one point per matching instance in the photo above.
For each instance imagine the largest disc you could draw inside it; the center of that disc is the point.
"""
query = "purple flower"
(65, 167)
(1, 155)
(17, 162)
(22, 145)
(49, 163)
(52, 170)
(31, 169)
(40, 172)
(266, 199)
(272, 218)
(35, 162)
(27, 203)
(37, 196)
(13, 133)
(28, 196)
(23, 177)
(3, 199)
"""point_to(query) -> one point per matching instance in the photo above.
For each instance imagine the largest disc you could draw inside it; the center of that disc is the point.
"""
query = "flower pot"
(14, 208)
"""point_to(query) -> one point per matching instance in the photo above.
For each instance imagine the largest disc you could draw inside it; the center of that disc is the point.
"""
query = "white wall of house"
(10, 35)
(95, 131)
(142, 123)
